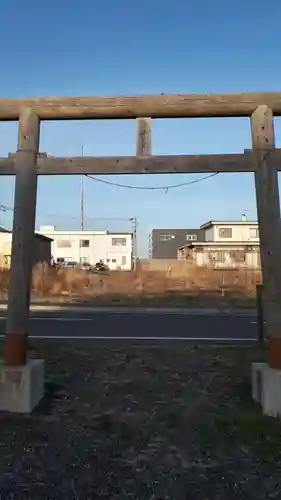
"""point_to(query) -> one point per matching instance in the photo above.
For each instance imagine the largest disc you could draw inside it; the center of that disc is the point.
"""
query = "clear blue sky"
(121, 47)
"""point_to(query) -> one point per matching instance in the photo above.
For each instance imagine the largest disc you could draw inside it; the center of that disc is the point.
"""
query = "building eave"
(220, 244)
(213, 223)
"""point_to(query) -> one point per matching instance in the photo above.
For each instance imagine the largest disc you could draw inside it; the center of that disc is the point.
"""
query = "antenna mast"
(82, 199)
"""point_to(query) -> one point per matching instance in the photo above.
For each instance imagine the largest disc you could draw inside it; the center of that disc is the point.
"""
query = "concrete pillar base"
(22, 387)
(266, 388)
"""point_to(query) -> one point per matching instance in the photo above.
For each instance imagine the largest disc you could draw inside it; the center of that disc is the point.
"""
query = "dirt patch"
(142, 423)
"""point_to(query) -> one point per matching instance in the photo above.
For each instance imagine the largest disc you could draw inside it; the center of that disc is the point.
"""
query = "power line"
(152, 188)
(4, 208)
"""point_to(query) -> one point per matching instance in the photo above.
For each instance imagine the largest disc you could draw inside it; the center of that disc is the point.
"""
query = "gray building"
(164, 243)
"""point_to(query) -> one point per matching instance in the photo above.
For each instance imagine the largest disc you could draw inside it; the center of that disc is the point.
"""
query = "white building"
(228, 244)
(221, 255)
(115, 249)
(222, 231)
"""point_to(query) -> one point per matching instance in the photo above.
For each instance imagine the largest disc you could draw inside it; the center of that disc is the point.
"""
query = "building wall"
(223, 257)
(164, 243)
(90, 246)
(42, 249)
(210, 234)
(240, 232)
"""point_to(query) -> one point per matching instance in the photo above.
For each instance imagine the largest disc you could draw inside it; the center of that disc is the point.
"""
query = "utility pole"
(82, 198)
(134, 231)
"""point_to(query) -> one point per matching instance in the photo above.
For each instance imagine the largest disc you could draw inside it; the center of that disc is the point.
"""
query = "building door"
(112, 262)
(84, 260)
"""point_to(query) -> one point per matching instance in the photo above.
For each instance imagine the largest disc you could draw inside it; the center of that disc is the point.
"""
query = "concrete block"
(22, 388)
(266, 388)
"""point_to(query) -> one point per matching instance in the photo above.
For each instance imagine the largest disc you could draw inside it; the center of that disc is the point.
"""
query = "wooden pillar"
(268, 208)
(15, 344)
(144, 147)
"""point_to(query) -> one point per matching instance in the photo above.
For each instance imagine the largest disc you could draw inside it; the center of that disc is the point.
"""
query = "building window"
(238, 256)
(124, 260)
(192, 237)
(119, 242)
(254, 232)
(84, 243)
(113, 261)
(64, 243)
(218, 256)
(166, 237)
(225, 232)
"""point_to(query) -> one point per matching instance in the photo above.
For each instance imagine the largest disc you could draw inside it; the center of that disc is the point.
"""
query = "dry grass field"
(176, 281)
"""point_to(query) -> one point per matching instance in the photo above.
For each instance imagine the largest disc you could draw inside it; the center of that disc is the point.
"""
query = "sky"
(122, 47)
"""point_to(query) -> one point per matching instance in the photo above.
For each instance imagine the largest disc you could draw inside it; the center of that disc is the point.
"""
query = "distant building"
(228, 244)
(224, 255)
(164, 243)
(231, 231)
(88, 247)
(41, 248)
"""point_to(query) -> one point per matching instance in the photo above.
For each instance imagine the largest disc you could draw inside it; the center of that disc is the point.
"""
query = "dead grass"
(50, 282)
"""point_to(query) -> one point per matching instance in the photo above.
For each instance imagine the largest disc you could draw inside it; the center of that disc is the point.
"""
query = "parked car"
(86, 266)
(100, 266)
(69, 265)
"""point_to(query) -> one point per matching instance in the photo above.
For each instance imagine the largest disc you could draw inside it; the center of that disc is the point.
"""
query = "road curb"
(134, 310)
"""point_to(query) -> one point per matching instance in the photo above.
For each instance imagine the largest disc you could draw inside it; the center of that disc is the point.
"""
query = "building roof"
(170, 230)
(52, 230)
(211, 223)
(120, 233)
(41, 236)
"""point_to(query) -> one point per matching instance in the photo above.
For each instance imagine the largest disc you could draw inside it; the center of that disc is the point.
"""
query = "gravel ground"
(142, 423)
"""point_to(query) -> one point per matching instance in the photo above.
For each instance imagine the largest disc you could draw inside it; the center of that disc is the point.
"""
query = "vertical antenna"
(82, 198)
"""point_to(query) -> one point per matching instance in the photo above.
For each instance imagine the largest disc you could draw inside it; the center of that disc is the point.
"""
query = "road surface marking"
(97, 337)
(59, 318)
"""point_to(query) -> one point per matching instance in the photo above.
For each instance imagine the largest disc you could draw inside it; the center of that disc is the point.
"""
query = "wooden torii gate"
(27, 163)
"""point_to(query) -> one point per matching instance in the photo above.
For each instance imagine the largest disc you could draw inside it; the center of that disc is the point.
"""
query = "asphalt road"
(139, 325)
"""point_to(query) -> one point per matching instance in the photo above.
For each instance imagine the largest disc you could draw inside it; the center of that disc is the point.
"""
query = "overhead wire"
(152, 188)
(4, 208)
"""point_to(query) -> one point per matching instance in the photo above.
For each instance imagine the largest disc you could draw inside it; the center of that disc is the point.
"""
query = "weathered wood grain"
(268, 208)
(15, 346)
(144, 139)
(139, 165)
(7, 166)
(135, 106)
